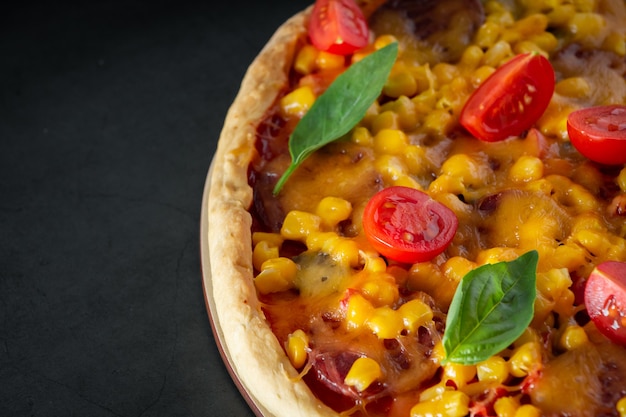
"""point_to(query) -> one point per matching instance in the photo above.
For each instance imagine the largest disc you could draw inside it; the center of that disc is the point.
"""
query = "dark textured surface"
(109, 116)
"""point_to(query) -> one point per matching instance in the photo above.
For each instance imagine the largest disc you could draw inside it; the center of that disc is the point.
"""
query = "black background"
(109, 116)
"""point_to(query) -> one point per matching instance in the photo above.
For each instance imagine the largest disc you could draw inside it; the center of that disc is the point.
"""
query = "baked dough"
(259, 362)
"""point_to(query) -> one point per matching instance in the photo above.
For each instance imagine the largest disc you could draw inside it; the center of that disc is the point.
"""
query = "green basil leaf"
(340, 107)
(491, 308)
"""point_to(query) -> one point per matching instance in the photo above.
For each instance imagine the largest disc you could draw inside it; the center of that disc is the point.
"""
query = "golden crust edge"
(255, 354)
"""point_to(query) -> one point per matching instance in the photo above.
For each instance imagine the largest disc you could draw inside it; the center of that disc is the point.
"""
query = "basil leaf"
(490, 309)
(340, 107)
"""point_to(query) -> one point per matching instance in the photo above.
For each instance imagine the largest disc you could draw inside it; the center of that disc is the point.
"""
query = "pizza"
(418, 208)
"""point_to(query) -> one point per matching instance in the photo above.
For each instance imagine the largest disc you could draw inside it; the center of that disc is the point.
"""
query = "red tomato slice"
(599, 133)
(408, 226)
(338, 26)
(511, 100)
(605, 299)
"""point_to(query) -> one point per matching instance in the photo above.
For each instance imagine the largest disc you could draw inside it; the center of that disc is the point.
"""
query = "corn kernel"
(572, 337)
(416, 160)
(487, 34)
(425, 101)
(472, 57)
(406, 111)
(333, 210)
(328, 61)
(400, 83)
(451, 403)
(527, 46)
(621, 406)
(390, 141)
(428, 278)
(305, 60)
(438, 122)
(533, 24)
(315, 241)
(385, 120)
(406, 181)
(453, 96)
(276, 275)
(424, 78)
(495, 255)
(262, 252)
(493, 6)
(596, 243)
(576, 87)
(573, 195)
(380, 289)
(586, 6)
(384, 40)
(343, 251)
(503, 18)
(460, 375)
(621, 180)
(375, 264)
(478, 76)
(587, 28)
(297, 102)
(506, 406)
(471, 171)
(615, 42)
(358, 311)
(497, 54)
(457, 267)
(362, 136)
(363, 372)
(553, 282)
(525, 359)
(391, 167)
(433, 393)
(561, 14)
(447, 184)
(297, 346)
(385, 323)
(445, 73)
(299, 224)
(494, 369)
(438, 352)
(546, 41)
(528, 410)
(415, 313)
(526, 169)
(273, 239)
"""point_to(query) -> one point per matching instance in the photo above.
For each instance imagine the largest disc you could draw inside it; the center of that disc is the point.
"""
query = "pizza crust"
(253, 351)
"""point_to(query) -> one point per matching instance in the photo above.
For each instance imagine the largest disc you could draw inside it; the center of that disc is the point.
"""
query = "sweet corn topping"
(494, 369)
(448, 404)
(298, 102)
(333, 210)
(363, 372)
(276, 275)
(621, 407)
(324, 287)
(525, 359)
(297, 347)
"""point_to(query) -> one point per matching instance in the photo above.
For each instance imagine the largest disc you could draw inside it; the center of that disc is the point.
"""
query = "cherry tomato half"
(605, 299)
(599, 133)
(511, 100)
(338, 26)
(407, 225)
